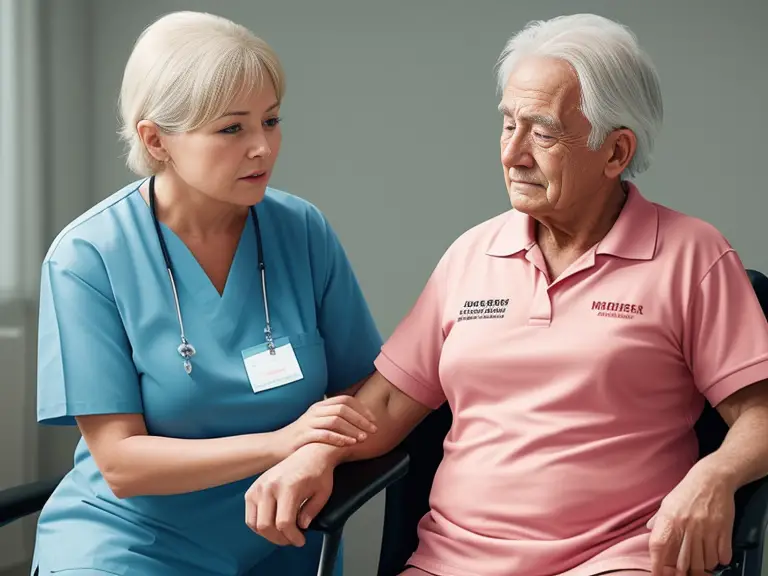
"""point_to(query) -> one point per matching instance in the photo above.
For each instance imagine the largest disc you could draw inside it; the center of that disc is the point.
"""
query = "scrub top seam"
(75, 225)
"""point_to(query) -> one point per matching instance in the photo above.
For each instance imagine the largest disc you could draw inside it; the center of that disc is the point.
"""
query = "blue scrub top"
(108, 334)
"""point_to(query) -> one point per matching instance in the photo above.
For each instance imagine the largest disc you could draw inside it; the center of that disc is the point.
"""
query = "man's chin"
(523, 202)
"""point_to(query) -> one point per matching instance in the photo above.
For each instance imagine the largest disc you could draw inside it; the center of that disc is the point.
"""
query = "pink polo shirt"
(573, 400)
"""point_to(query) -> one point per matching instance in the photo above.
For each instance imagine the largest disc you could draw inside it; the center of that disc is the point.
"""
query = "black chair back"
(407, 501)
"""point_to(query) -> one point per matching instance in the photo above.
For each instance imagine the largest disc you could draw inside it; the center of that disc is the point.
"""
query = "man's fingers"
(658, 549)
(657, 560)
(724, 551)
(684, 555)
(698, 563)
(711, 554)
(651, 523)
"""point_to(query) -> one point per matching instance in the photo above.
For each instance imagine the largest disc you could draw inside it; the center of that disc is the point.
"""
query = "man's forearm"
(396, 415)
(743, 456)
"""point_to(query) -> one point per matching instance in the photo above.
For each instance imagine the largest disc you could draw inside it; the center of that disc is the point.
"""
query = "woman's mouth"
(255, 177)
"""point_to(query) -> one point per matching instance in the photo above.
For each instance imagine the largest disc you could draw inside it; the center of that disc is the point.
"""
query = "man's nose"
(516, 151)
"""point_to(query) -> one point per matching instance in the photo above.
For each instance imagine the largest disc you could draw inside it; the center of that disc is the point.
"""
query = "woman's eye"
(509, 127)
(234, 129)
(542, 136)
(272, 122)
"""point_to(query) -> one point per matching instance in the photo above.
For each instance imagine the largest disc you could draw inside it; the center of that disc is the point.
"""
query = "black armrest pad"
(357, 482)
(24, 500)
(751, 525)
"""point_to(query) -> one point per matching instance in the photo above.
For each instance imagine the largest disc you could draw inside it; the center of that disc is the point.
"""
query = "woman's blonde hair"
(185, 70)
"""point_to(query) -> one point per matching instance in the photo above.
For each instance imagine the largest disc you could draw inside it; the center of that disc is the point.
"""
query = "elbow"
(120, 491)
(119, 482)
(115, 444)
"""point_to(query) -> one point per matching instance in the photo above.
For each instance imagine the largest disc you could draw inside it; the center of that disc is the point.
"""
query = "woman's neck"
(190, 213)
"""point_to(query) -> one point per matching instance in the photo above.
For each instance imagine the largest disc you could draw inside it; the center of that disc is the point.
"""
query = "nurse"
(197, 326)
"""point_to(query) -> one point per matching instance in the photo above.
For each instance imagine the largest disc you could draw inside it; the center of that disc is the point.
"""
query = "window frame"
(9, 212)
(22, 158)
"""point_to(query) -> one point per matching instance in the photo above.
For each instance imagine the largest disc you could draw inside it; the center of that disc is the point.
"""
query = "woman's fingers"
(323, 436)
(340, 426)
(345, 404)
(349, 414)
(265, 521)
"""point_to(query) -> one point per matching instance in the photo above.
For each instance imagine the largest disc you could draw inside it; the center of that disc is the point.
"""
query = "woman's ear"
(151, 138)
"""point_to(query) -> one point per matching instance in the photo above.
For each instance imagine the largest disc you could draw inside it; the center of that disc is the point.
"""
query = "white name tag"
(266, 371)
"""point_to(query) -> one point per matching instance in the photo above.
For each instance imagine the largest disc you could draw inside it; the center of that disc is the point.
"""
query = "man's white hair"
(619, 84)
(185, 70)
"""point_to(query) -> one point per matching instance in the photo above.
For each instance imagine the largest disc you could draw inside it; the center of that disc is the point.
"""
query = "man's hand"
(299, 485)
(691, 533)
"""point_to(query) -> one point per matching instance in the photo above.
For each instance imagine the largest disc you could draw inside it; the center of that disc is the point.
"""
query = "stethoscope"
(186, 350)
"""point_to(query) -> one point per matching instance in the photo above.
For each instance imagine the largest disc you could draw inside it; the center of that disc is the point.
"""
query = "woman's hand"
(338, 421)
(286, 498)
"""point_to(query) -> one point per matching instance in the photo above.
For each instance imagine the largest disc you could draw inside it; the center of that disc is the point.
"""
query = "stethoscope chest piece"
(186, 351)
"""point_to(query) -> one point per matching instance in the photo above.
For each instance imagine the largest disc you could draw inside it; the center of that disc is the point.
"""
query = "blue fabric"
(107, 344)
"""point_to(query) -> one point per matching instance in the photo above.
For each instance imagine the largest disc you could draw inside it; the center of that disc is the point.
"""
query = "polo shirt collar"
(633, 235)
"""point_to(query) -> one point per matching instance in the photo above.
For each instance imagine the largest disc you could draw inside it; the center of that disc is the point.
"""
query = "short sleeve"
(346, 324)
(726, 334)
(84, 356)
(410, 358)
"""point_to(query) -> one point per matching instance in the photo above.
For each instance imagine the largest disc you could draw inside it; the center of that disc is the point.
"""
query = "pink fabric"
(574, 400)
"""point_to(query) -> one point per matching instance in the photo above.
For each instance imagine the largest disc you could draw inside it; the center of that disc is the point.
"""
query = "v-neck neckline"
(221, 310)
(194, 277)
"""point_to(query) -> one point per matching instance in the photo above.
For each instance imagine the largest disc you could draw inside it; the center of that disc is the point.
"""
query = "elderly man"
(576, 339)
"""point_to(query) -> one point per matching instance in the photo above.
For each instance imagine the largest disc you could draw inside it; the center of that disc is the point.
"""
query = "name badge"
(266, 371)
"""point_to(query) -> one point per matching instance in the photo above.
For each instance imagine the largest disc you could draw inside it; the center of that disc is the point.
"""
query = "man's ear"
(621, 144)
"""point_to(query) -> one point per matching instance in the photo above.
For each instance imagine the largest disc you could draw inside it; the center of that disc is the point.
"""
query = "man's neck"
(578, 233)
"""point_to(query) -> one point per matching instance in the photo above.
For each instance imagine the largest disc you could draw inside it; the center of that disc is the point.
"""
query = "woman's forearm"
(153, 465)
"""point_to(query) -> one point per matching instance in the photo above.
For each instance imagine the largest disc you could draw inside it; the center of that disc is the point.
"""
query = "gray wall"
(391, 127)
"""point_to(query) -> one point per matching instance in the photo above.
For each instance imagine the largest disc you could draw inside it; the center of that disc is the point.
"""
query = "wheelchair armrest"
(752, 520)
(26, 499)
(354, 484)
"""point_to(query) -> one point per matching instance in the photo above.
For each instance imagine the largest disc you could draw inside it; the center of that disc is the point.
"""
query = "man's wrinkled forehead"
(544, 88)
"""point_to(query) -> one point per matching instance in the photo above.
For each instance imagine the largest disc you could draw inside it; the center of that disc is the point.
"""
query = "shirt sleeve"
(726, 333)
(84, 356)
(345, 322)
(410, 358)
